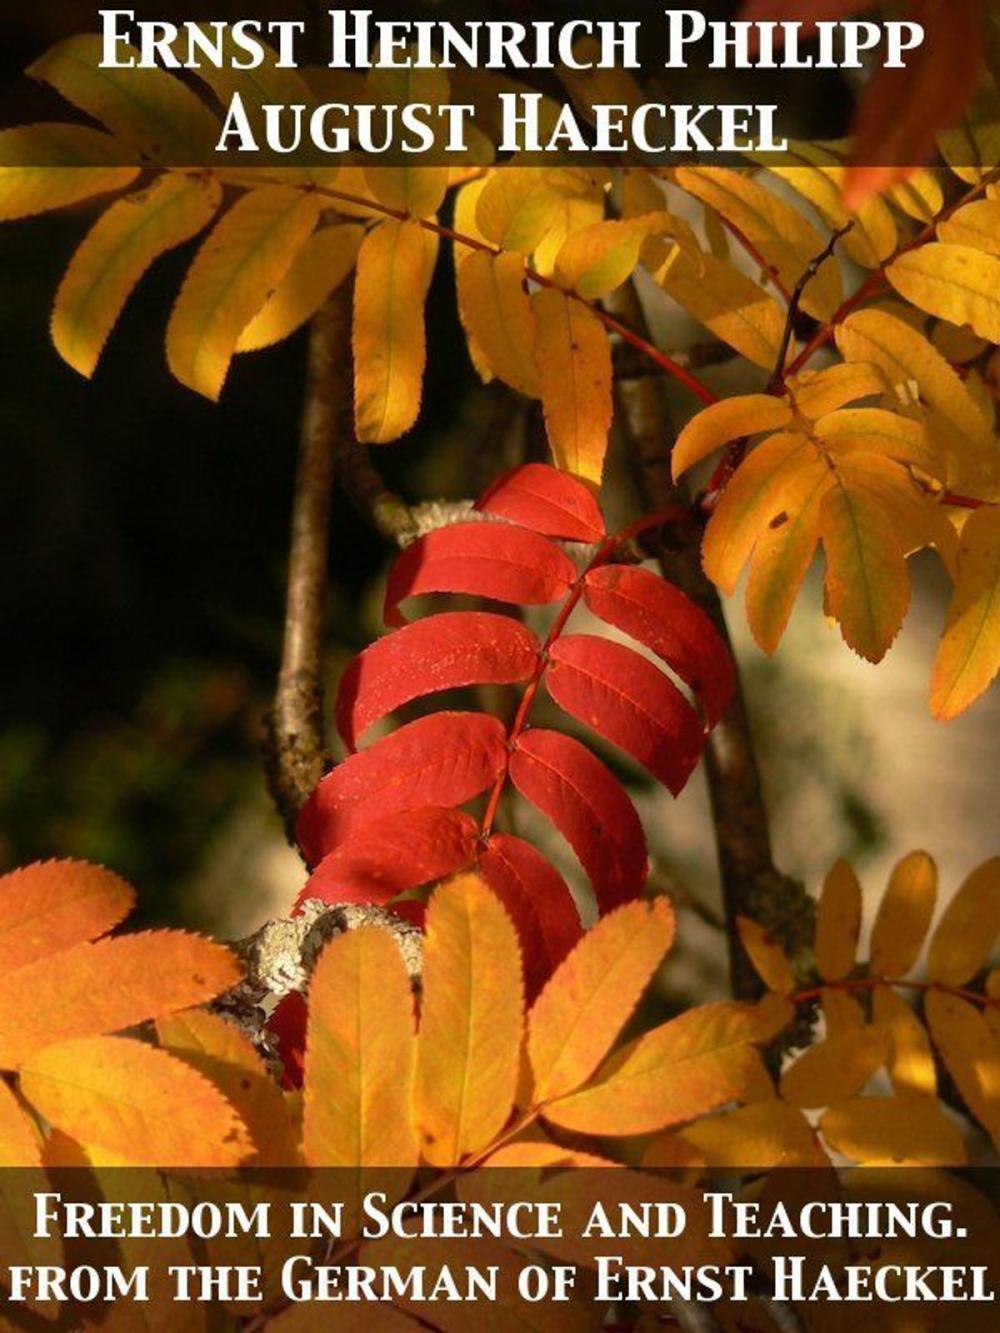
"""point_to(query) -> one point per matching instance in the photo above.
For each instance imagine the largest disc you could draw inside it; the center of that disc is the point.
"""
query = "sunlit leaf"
(967, 933)
(471, 1022)
(593, 994)
(389, 338)
(838, 922)
(140, 1104)
(115, 254)
(242, 260)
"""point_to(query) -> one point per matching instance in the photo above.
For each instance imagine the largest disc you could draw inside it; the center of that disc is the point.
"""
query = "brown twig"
(751, 885)
(296, 746)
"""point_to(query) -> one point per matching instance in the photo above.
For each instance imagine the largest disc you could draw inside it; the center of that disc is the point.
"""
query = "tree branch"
(295, 746)
(751, 885)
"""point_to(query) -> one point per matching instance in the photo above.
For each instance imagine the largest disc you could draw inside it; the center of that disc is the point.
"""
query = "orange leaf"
(124, 1098)
(104, 987)
(838, 923)
(834, 1069)
(20, 1141)
(904, 916)
(676, 1072)
(769, 959)
(893, 1131)
(764, 1135)
(967, 932)
(471, 1023)
(592, 994)
(219, 1050)
(359, 1055)
(51, 905)
(574, 368)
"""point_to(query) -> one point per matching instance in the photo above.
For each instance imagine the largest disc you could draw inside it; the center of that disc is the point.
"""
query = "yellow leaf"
(815, 393)
(872, 430)
(957, 344)
(819, 179)
(496, 314)
(968, 657)
(867, 584)
(893, 1131)
(242, 260)
(318, 269)
(574, 367)
(920, 196)
(769, 959)
(971, 1054)
(954, 282)
(765, 490)
(904, 916)
(104, 987)
(834, 1069)
(594, 260)
(781, 559)
(906, 358)
(573, 212)
(360, 1050)
(841, 1011)
(471, 1023)
(966, 934)
(764, 1135)
(729, 304)
(126, 1098)
(918, 517)
(976, 225)
(256, 87)
(416, 190)
(675, 1072)
(466, 200)
(517, 207)
(389, 338)
(730, 419)
(838, 922)
(218, 1049)
(114, 255)
(911, 1060)
(51, 905)
(592, 994)
(148, 109)
(54, 165)
(20, 1140)
(786, 240)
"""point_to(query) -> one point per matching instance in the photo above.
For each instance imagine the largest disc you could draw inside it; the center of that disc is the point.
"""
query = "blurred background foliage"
(144, 534)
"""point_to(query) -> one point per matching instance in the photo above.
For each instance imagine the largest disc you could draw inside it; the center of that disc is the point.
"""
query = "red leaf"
(628, 700)
(905, 109)
(548, 501)
(660, 616)
(439, 653)
(388, 856)
(493, 560)
(288, 1027)
(589, 807)
(444, 759)
(539, 902)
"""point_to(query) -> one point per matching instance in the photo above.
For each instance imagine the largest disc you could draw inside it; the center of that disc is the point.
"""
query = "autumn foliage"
(866, 326)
